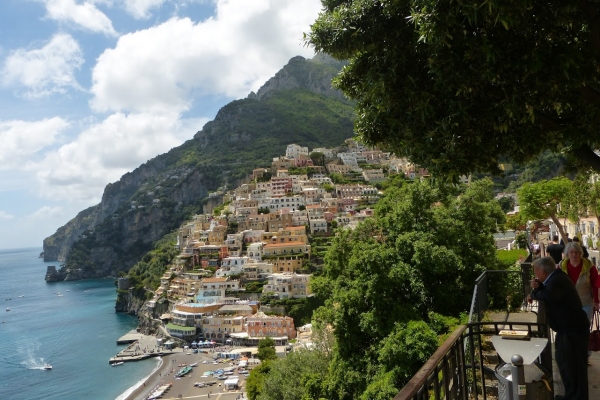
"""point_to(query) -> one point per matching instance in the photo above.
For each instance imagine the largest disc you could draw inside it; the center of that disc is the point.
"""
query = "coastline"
(165, 374)
(143, 387)
(134, 390)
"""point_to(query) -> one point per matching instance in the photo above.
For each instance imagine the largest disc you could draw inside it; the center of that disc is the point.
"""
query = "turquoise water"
(76, 333)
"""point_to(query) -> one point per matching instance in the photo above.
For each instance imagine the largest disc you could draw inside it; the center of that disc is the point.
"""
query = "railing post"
(518, 378)
(526, 275)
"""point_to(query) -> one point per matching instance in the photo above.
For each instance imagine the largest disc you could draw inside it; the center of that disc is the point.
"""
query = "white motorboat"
(117, 363)
(47, 367)
(7, 309)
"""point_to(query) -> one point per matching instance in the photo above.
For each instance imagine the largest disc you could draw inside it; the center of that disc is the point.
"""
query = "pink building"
(261, 325)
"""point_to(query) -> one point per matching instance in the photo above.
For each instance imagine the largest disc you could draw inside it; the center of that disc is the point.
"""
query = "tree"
(544, 199)
(266, 349)
(455, 86)
(317, 158)
(300, 375)
(254, 383)
(507, 203)
(421, 253)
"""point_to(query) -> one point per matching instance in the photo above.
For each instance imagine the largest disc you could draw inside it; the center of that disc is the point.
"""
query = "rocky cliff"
(296, 106)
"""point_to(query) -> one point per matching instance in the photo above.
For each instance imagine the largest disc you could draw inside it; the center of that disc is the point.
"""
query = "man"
(566, 317)
(555, 250)
(562, 242)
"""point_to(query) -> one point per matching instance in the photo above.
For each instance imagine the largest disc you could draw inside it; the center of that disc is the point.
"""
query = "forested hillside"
(296, 105)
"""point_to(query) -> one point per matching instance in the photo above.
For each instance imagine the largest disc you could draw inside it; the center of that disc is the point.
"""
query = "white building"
(231, 266)
(326, 152)
(288, 285)
(255, 251)
(294, 151)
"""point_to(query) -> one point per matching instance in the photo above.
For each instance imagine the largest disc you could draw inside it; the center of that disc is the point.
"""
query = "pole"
(518, 378)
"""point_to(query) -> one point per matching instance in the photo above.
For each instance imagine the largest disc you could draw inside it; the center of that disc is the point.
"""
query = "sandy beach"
(185, 386)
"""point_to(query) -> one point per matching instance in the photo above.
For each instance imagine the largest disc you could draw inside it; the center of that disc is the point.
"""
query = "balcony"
(463, 366)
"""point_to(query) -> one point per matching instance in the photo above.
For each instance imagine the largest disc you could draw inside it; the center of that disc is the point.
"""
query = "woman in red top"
(584, 276)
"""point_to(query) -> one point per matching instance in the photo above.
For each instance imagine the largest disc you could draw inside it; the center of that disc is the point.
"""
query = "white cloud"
(45, 213)
(140, 9)
(20, 140)
(231, 54)
(84, 15)
(79, 171)
(47, 70)
(5, 216)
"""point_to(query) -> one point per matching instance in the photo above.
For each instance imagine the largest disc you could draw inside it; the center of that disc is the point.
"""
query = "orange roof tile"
(211, 280)
(284, 244)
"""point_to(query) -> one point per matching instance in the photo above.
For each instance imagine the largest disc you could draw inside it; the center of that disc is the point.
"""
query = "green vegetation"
(424, 240)
(301, 310)
(266, 349)
(147, 272)
(300, 375)
(441, 68)
(508, 258)
(245, 133)
(255, 287)
(542, 199)
(255, 381)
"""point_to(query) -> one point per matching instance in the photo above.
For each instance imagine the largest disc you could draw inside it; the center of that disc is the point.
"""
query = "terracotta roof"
(210, 280)
(284, 244)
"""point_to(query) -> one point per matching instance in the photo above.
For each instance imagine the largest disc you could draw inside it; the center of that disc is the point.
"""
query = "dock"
(130, 337)
(140, 347)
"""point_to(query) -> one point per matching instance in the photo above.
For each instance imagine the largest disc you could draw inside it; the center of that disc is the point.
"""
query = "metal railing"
(515, 296)
(457, 370)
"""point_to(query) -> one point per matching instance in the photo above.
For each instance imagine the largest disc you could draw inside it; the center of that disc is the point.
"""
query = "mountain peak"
(301, 73)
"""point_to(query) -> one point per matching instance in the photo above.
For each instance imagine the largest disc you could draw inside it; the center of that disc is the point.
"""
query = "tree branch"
(592, 14)
(548, 122)
(590, 95)
(586, 155)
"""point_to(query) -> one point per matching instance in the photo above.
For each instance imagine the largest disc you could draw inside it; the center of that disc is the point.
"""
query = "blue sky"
(91, 89)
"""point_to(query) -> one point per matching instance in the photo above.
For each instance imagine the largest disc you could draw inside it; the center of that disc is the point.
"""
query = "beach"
(184, 386)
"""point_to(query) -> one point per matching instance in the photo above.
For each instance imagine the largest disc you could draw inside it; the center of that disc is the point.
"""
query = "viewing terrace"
(463, 367)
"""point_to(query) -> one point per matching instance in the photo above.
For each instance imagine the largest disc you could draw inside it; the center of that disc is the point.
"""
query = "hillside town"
(260, 243)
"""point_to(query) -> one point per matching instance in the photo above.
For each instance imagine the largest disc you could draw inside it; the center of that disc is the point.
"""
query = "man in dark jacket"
(555, 249)
(566, 317)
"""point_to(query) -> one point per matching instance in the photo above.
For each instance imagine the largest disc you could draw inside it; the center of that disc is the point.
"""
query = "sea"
(72, 326)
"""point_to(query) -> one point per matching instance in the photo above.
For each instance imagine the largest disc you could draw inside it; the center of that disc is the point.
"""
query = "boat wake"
(28, 352)
(140, 382)
(38, 363)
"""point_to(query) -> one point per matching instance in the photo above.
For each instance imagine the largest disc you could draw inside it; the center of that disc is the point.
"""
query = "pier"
(141, 347)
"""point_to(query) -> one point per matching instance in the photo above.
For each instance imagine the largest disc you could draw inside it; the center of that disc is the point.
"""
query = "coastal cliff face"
(296, 106)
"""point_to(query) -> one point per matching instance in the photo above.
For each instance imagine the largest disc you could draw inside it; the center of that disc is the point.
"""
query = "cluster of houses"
(262, 236)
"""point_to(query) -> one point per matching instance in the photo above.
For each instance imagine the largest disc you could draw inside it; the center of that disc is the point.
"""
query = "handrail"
(456, 371)
(479, 301)
(419, 380)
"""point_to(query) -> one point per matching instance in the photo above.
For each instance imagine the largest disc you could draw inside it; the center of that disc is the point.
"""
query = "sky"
(91, 89)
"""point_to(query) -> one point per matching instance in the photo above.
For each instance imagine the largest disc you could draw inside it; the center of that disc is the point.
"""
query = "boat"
(117, 363)
(47, 367)
(7, 309)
